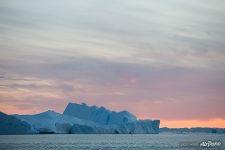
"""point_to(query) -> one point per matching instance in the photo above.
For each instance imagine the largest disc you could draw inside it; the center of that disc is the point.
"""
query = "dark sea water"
(163, 141)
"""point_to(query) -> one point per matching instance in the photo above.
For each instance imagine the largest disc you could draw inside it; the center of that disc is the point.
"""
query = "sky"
(157, 59)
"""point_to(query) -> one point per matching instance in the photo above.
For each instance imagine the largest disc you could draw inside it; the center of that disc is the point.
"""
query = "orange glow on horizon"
(216, 123)
(187, 123)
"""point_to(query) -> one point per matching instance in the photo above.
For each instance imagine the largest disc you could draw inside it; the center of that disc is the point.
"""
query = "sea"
(162, 141)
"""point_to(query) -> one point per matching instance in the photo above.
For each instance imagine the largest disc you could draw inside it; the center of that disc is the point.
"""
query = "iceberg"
(78, 119)
(11, 125)
(122, 122)
(51, 122)
(99, 115)
(143, 127)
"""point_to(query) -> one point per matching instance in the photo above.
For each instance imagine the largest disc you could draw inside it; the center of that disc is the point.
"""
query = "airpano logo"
(210, 144)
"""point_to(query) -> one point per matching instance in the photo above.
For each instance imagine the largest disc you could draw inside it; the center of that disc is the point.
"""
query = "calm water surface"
(164, 141)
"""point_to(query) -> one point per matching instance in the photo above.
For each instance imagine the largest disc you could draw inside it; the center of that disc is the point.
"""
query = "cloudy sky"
(157, 59)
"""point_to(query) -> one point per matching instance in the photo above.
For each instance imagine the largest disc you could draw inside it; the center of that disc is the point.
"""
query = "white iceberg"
(99, 115)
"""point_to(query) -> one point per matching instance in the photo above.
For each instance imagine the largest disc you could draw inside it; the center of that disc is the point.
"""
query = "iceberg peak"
(100, 115)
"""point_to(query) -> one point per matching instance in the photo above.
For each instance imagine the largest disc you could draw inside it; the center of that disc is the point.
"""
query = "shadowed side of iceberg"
(144, 127)
(87, 129)
(11, 125)
(138, 127)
